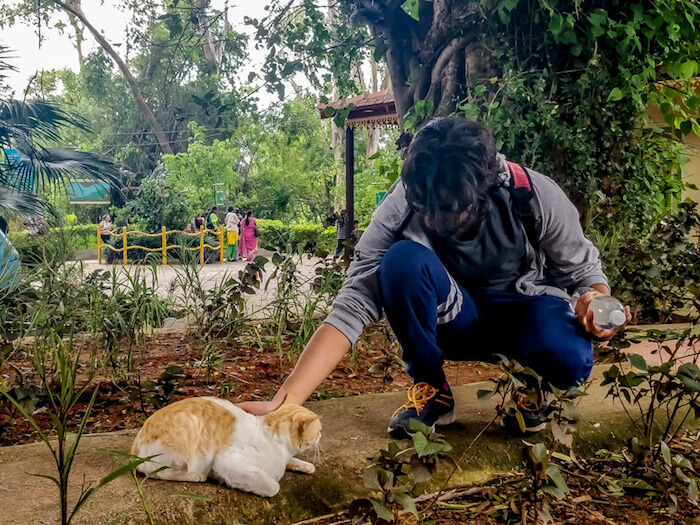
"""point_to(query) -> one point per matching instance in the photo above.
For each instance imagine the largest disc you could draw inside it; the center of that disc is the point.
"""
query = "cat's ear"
(291, 399)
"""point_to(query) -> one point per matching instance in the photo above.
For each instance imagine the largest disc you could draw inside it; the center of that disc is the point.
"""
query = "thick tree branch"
(210, 50)
(75, 9)
(456, 45)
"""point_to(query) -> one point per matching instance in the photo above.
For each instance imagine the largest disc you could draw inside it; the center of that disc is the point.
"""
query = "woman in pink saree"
(248, 242)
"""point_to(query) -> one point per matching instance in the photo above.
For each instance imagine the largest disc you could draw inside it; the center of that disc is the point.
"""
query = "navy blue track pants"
(434, 318)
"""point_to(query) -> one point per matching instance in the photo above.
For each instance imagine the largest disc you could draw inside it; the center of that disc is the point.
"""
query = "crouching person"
(468, 256)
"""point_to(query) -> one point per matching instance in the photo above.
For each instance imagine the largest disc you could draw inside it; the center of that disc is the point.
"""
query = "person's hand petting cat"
(260, 408)
(322, 354)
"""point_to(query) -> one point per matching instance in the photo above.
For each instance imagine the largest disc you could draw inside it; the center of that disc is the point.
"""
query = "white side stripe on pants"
(448, 310)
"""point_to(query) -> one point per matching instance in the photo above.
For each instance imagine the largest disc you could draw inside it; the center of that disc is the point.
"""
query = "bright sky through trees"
(57, 52)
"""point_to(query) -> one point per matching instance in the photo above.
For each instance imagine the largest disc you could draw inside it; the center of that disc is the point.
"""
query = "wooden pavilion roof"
(372, 110)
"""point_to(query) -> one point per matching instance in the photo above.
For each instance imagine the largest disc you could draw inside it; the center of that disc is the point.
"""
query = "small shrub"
(652, 273)
(395, 474)
(32, 247)
(299, 238)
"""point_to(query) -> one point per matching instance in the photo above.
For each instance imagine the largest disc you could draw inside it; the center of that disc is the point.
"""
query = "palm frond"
(24, 123)
(18, 203)
(49, 167)
(4, 65)
(30, 128)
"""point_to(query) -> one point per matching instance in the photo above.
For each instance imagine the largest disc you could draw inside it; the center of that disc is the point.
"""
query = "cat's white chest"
(253, 447)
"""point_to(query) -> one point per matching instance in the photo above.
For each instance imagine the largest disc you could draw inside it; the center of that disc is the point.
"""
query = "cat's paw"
(307, 468)
(267, 489)
(297, 465)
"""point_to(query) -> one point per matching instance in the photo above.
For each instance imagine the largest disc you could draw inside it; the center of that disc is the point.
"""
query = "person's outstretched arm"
(322, 354)
(357, 305)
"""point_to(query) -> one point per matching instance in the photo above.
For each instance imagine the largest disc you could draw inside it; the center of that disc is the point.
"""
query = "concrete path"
(655, 353)
(354, 428)
(211, 276)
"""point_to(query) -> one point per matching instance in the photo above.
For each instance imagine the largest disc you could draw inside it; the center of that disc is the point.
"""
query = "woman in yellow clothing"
(231, 222)
(213, 219)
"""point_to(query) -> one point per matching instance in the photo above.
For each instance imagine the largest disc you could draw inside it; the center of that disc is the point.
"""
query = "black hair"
(342, 218)
(213, 209)
(454, 155)
(247, 217)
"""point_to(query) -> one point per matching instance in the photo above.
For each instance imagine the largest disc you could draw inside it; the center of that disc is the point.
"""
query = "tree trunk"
(426, 57)
(79, 39)
(212, 52)
(75, 9)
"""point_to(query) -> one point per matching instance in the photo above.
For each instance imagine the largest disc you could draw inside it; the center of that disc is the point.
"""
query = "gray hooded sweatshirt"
(565, 260)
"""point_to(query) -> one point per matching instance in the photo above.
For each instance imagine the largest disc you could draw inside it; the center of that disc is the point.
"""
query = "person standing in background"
(106, 228)
(248, 242)
(213, 219)
(232, 221)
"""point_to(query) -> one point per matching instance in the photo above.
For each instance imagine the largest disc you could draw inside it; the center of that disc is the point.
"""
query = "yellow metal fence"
(219, 232)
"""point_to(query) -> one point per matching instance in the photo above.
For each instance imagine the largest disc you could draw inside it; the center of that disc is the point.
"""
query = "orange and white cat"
(205, 437)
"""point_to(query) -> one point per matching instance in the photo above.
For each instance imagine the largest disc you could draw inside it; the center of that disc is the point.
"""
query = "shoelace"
(418, 396)
(524, 404)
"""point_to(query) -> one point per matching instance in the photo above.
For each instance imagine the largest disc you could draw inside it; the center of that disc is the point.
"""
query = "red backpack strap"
(520, 178)
(521, 189)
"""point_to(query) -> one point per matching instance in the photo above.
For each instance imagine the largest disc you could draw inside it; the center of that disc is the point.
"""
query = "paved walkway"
(170, 277)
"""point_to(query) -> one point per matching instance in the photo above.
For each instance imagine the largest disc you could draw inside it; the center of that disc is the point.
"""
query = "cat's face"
(299, 424)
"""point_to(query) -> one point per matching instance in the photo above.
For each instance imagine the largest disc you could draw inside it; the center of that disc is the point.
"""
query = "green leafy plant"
(389, 364)
(300, 300)
(395, 474)
(520, 390)
(658, 398)
(160, 392)
(123, 307)
(652, 273)
(211, 359)
(218, 311)
(57, 362)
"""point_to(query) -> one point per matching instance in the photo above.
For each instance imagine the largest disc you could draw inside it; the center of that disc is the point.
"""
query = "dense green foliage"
(570, 100)
(312, 238)
(279, 166)
(31, 247)
(156, 206)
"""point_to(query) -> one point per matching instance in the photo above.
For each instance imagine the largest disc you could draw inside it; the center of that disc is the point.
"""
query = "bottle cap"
(617, 318)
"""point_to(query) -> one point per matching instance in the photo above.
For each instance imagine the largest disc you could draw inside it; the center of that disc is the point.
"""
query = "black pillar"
(349, 183)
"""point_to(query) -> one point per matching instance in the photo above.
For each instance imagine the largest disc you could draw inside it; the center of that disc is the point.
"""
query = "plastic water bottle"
(608, 312)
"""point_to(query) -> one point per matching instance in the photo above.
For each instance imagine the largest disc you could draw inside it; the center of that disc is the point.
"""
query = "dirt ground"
(249, 368)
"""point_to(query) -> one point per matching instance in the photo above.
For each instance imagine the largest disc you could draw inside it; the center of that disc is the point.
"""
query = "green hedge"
(312, 238)
(31, 247)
